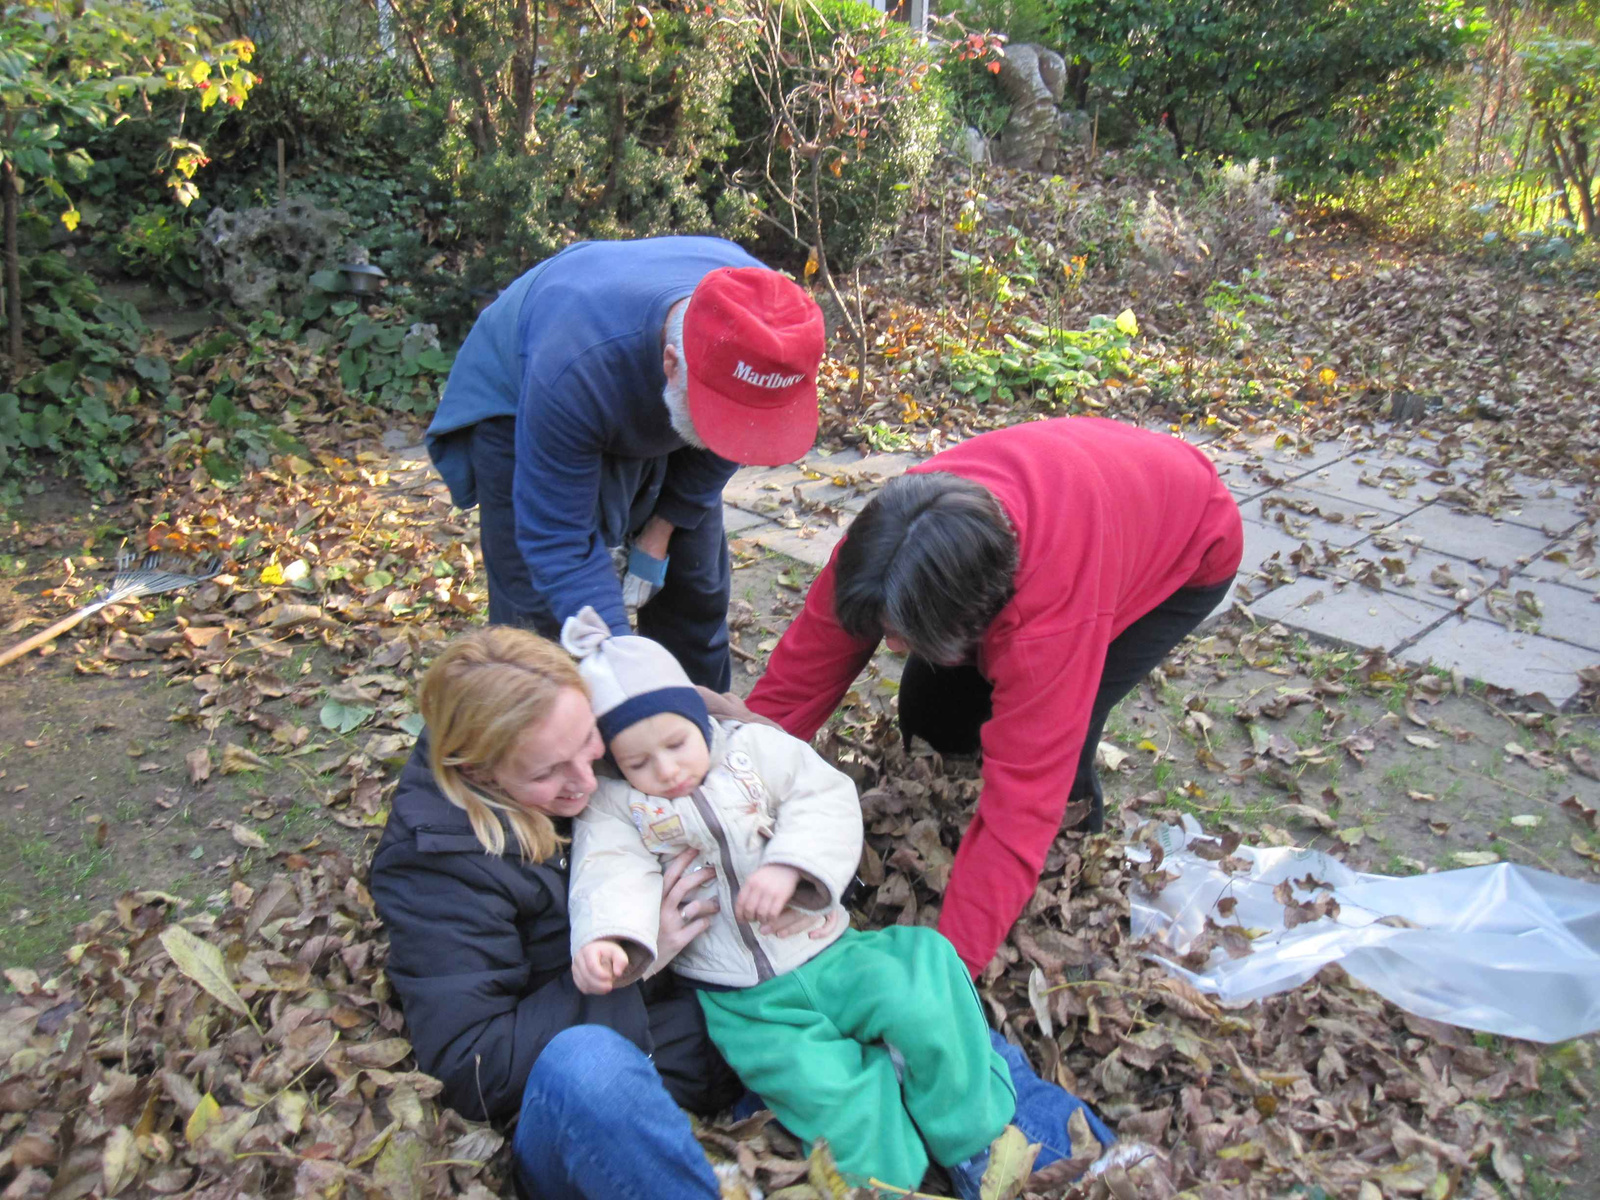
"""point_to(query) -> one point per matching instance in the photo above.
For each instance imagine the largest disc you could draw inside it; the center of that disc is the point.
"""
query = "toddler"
(874, 1040)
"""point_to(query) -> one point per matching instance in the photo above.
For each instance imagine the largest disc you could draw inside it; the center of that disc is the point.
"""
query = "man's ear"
(670, 362)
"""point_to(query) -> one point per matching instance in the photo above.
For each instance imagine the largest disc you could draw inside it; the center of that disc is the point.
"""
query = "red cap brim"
(761, 437)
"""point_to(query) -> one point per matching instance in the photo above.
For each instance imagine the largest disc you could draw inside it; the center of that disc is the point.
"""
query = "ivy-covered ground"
(191, 784)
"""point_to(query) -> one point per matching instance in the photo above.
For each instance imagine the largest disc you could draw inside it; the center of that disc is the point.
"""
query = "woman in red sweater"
(1034, 575)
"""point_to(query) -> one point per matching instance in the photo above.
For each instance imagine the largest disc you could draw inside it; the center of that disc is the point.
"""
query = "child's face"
(664, 755)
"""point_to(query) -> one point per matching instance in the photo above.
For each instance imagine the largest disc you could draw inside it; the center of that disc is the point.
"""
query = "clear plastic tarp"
(1501, 948)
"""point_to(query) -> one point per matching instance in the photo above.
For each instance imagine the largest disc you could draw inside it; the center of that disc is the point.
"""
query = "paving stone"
(1353, 614)
(1477, 539)
(814, 549)
(755, 488)
(736, 520)
(1261, 542)
(1542, 504)
(1315, 517)
(1290, 457)
(864, 476)
(1236, 469)
(1370, 482)
(1522, 662)
(1568, 614)
(1418, 581)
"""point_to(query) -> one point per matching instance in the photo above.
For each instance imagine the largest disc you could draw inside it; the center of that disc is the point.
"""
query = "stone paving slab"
(1261, 542)
(1568, 614)
(1420, 581)
(1542, 505)
(1315, 517)
(1474, 538)
(1370, 482)
(1354, 614)
(812, 544)
(1523, 662)
(763, 490)
(735, 520)
(1236, 469)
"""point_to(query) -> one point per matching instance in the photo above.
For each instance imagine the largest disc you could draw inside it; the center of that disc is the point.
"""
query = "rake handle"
(47, 635)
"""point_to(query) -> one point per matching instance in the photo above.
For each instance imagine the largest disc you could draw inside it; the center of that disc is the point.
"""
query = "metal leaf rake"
(135, 577)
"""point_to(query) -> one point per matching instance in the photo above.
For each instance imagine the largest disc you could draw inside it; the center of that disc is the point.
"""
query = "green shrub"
(871, 191)
(1332, 92)
(158, 244)
(81, 405)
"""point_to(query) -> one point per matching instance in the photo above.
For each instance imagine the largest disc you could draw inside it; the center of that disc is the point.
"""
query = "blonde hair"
(480, 695)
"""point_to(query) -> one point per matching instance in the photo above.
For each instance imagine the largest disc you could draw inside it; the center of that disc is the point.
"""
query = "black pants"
(689, 615)
(946, 706)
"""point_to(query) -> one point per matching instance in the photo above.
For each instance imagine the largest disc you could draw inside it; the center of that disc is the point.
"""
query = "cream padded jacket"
(768, 798)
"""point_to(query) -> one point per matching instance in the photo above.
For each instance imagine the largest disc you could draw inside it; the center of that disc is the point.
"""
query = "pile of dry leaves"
(249, 1050)
(1327, 1090)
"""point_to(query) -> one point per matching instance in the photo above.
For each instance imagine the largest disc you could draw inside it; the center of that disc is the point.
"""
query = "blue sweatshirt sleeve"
(555, 488)
(693, 486)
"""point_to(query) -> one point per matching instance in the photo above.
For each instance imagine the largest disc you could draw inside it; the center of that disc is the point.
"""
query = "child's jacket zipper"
(708, 814)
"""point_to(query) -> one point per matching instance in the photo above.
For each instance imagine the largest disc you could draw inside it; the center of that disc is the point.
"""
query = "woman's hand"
(766, 893)
(598, 966)
(682, 919)
(795, 920)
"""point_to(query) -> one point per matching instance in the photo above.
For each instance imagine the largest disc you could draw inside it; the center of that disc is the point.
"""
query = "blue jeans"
(597, 1123)
(1043, 1109)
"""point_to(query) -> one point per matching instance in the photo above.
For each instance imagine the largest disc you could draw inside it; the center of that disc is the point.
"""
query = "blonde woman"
(471, 881)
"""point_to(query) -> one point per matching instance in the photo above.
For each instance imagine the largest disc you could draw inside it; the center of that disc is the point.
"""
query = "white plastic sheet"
(1502, 948)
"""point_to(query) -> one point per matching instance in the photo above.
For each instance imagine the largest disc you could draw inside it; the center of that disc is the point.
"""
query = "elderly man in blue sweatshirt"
(603, 400)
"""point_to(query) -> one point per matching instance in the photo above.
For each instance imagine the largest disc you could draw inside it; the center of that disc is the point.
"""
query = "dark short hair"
(933, 558)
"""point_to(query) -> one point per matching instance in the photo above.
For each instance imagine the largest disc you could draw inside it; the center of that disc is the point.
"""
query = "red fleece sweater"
(1110, 521)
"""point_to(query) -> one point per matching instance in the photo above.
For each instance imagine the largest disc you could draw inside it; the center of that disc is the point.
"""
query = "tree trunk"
(524, 69)
(8, 186)
(410, 28)
(1559, 173)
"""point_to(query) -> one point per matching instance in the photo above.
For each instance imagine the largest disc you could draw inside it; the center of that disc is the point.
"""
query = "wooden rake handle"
(48, 635)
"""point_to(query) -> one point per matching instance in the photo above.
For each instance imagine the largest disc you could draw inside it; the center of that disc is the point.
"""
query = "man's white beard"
(676, 398)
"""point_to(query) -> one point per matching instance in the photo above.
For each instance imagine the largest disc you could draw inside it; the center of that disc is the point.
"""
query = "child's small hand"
(766, 893)
(598, 966)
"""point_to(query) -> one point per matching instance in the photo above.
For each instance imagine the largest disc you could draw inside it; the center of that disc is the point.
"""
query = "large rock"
(1033, 78)
(262, 258)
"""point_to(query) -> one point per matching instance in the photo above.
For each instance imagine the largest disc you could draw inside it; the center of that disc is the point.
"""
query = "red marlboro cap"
(752, 341)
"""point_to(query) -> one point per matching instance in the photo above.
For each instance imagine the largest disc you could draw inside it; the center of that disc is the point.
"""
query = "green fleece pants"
(815, 1043)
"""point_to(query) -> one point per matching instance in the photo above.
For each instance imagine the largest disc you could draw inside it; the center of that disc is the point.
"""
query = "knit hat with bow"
(629, 678)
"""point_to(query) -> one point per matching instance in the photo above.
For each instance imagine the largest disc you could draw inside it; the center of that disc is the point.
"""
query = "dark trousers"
(946, 706)
(689, 615)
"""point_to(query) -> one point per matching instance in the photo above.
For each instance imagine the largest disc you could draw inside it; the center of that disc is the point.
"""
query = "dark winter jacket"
(479, 955)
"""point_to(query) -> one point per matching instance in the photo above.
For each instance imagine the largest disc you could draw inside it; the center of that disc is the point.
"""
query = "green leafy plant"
(1046, 365)
(80, 406)
(75, 73)
(158, 245)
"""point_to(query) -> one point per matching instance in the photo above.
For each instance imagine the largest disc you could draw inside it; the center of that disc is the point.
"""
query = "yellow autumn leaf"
(71, 217)
(1127, 323)
(202, 962)
(811, 263)
(201, 1119)
(272, 575)
(1328, 376)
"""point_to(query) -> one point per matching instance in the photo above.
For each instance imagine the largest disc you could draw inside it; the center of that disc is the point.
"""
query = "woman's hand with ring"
(682, 919)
